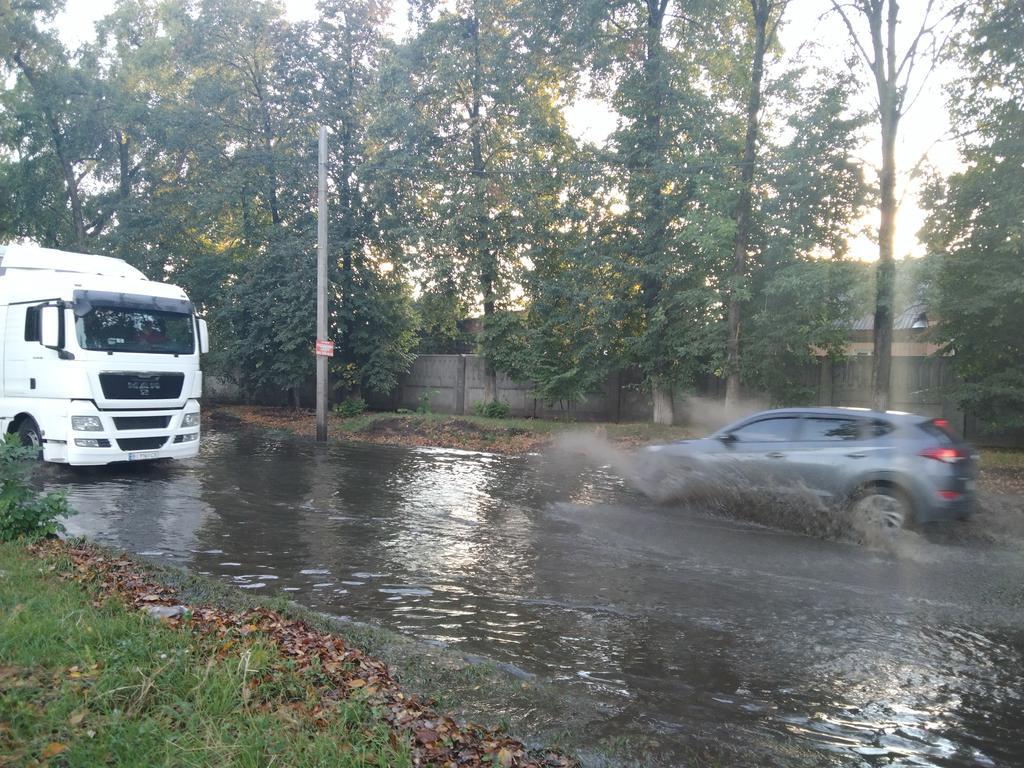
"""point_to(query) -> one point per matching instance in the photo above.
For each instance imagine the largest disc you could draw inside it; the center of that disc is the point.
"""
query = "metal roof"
(904, 321)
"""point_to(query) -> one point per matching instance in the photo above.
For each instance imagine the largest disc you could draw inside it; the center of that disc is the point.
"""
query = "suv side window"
(823, 429)
(879, 428)
(778, 430)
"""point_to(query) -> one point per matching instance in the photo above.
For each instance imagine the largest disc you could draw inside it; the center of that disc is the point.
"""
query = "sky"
(923, 132)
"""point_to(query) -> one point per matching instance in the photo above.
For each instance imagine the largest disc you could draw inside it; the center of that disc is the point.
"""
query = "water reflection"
(674, 622)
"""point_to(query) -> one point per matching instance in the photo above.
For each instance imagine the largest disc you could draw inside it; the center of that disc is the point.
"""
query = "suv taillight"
(945, 455)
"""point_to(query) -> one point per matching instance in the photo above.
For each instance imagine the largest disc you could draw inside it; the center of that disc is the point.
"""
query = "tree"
(873, 26)
(53, 125)
(974, 221)
(471, 149)
(373, 315)
(765, 16)
(805, 294)
(666, 223)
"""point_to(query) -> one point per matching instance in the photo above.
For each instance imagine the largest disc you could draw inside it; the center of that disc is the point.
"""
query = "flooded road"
(676, 623)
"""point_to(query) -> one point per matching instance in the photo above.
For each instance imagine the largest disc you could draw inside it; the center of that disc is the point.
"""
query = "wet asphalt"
(677, 621)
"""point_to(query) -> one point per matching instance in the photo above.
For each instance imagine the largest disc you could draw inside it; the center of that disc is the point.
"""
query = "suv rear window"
(941, 431)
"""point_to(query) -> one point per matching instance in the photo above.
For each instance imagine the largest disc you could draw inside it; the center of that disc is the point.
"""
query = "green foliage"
(975, 220)
(423, 402)
(269, 343)
(493, 410)
(555, 345)
(474, 152)
(806, 310)
(441, 314)
(803, 294)
(24, 512)
(353, 406)
(186, 134)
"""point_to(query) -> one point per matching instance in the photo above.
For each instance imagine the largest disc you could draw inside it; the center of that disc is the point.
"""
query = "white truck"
(99, 364)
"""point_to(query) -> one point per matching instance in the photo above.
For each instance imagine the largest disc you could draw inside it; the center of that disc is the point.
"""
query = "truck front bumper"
(126, 436)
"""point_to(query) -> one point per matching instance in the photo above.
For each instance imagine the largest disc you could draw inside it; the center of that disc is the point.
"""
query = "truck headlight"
(86, 424)
(191, 419)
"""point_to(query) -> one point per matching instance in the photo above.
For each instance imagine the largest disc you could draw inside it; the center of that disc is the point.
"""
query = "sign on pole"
(324, 348)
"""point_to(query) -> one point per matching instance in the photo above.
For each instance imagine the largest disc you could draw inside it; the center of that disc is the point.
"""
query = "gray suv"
(898, 468)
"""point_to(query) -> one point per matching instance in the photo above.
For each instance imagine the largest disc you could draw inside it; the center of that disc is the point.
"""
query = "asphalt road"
(679, 622)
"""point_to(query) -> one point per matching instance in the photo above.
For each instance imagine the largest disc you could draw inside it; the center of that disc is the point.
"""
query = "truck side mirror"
(49, 327)
(204, 337)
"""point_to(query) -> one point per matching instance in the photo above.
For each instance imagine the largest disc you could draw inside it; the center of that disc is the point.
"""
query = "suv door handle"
(776, 455)
(856, 455)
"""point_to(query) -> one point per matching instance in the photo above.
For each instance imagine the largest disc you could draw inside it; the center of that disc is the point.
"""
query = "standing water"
(679, 625)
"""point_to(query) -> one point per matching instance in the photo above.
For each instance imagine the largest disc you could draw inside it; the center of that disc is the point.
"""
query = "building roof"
(913, 317)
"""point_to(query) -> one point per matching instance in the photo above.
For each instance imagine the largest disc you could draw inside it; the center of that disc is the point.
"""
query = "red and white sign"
(324, 348)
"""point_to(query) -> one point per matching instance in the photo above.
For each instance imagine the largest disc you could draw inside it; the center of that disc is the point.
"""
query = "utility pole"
(324, 348)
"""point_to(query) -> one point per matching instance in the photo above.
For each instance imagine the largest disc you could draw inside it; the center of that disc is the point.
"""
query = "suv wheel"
(884, 506)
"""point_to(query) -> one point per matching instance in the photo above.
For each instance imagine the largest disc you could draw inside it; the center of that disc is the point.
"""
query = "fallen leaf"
(77, 718)
(52, 749)
(505, 757)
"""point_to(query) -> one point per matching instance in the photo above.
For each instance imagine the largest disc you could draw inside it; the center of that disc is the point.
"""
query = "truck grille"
(141, 443)
(141, 422)
(141, 386)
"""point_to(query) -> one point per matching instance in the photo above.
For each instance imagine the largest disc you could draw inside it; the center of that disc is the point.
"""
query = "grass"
(1002, 459)
(479, 691)
(61, 646)
(84, 681)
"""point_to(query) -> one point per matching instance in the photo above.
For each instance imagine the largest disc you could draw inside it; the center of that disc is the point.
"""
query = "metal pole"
(321, 291)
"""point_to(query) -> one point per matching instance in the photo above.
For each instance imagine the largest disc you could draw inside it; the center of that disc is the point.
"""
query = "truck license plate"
(143, 455)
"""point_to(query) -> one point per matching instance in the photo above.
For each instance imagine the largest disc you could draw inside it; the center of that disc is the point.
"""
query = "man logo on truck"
(144, 386)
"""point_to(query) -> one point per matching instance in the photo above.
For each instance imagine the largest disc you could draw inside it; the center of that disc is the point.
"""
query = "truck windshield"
(119, 329)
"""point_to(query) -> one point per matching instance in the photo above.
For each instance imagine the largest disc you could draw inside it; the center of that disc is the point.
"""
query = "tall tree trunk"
(885, 273)
(124, 185)
(485, 254)
(346, 200)
(744, 205)
(664, 407)
(652, 240)
(267, 140)
(889, 102)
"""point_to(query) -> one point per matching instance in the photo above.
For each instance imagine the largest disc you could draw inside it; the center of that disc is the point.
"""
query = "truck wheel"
(30, 436)
(883, 505)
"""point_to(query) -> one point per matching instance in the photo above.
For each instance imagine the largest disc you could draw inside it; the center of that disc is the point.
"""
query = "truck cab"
(99, 364)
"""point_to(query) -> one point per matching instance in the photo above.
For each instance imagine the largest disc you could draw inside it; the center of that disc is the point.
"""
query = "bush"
(494, 410)
(423, 405)
(24, 513)
(351, 407)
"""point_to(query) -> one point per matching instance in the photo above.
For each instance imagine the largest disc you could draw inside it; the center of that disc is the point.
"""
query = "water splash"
(734, 492)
